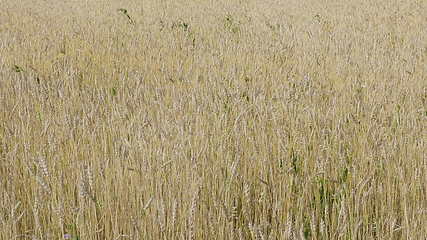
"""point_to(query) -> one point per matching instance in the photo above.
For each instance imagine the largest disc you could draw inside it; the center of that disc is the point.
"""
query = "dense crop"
(190, 119)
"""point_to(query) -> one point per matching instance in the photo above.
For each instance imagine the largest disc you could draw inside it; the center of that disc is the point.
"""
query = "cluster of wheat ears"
(229, 119)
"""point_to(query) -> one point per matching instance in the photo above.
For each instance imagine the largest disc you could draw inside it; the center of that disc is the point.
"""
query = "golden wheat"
(213, 119)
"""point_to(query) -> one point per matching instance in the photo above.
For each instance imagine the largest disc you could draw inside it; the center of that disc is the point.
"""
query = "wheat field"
(202, 119)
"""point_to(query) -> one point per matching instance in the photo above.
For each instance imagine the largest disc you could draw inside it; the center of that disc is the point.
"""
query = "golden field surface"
(198, 119)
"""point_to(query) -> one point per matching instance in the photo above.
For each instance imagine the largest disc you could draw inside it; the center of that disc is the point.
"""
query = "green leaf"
(17, 68)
